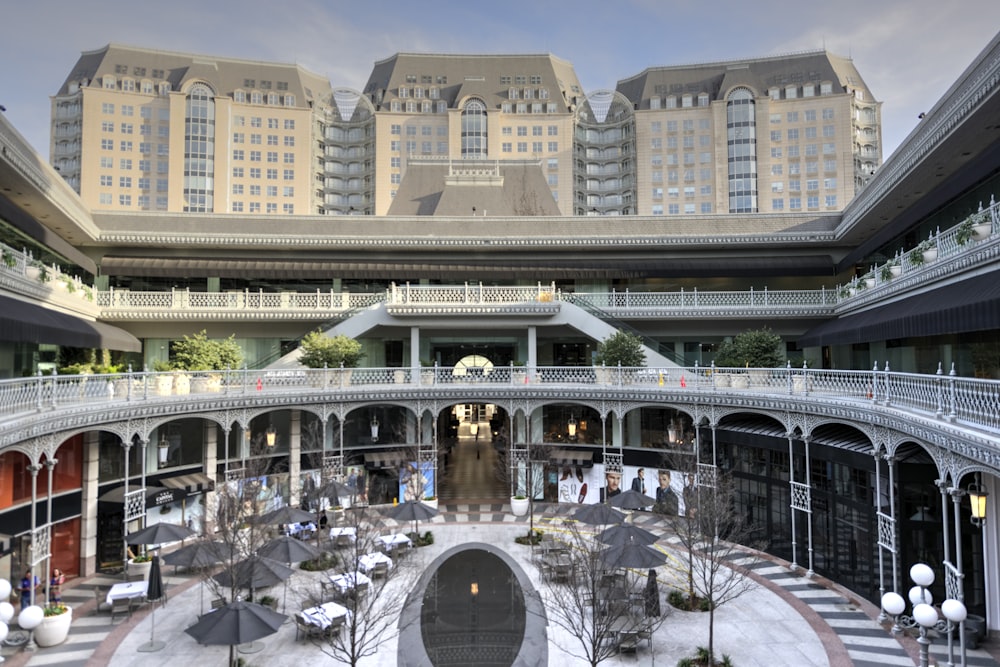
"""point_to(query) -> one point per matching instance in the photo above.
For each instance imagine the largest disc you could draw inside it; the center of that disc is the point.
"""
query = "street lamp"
(571, 426)
(923, 616)
(270, 435)
(977, 496)
(374, 428)
(163, 448)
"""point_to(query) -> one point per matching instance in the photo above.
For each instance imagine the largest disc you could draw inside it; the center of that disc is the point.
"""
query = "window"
(830, 183)
(810, 115)
(673, 209)
(255, 190)
(829, 149)
(125, 200)
(237, 188)
(522, 147)
(125, 164)
(553, 180)
(144, 165)
(289, 174)
(506, 147)
(238, 154)
(474, 132)
(272, 140)
(288, 191)
(776, 151)
(688, 209)
(831, 201)
(553, 146)
(255, 139)
(812, 201)
(289, 158)
(775, 135)
(272, 174)
(706, 207)
(272, 156)
(793, 151)
(107, 108)
(107, 144)
(255, 156)
(829, 165)
(108, 162)
(394, 145)
(394, 179)
(105, 198)
(289, 123)
(810, 133)
(795, 203)
(827, 114)
(689, 191)
(777, 169)
(289, 209)
(656, 143)
(777, 186)
(536, 130)
(657, 193)
(272, 207)
(811, 149)
(128, 110)
(793, 134)
(792, 116)
(254, 172)
(812, 167)
(106, 181)
(162, 185)
(777, 204)
(795, 185)
(237, 172)
(829, 131)
(657, 208)
(127, 128)
(673, 193)
(522, 130)
(108, 126)
(272, 123)
(255, 207)
(536, 146)
(271, 190)
(237, 207)
(553, 130)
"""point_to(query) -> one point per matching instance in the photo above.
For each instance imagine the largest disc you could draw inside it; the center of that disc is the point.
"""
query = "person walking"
(55, 586)
(28, 585)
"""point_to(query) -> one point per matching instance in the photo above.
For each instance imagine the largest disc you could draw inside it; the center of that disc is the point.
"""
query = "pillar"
(88, 503)
(294, 456)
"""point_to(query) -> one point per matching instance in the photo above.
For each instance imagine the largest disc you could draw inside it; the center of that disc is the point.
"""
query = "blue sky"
(908, 51)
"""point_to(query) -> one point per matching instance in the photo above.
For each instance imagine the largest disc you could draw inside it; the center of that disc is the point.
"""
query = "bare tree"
(521, 468)
(712, 534)
(373, 609)
(596, 604)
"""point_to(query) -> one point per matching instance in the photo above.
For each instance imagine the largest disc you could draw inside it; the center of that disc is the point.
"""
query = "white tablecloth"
(296, 529)
(349, 531)
(126, 590)
(368, 562)
(395, 539)
(349, 580)
(324, 615)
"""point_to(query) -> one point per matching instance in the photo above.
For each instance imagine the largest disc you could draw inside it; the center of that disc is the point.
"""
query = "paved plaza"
(786, 620)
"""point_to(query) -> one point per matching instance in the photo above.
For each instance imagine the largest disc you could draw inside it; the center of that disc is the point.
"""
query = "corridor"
(471, 471)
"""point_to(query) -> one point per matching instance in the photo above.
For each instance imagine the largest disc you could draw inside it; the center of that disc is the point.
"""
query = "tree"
(322, 351)
(199, 353)
(755, 348)
(524, 476)
(593, 605)
(712, 536)
(621, 348)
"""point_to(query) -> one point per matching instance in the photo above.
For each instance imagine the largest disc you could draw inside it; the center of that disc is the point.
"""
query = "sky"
(908, 51)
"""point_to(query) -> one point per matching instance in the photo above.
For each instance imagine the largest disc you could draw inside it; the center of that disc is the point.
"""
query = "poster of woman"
(416, 481)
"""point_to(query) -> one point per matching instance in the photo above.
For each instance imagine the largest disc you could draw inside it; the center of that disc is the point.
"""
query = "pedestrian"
(55, 586)
(28, 585)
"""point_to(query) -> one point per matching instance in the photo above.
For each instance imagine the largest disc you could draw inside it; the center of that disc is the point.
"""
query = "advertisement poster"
(578, 484)
(416, 481)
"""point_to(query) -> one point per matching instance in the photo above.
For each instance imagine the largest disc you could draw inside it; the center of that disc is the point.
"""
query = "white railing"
(972, 402)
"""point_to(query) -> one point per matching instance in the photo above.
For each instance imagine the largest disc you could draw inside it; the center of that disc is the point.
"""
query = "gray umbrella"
(286, 514)
(632, 554)
(412, 510)
(631, 500)
(626, 532)
(651, 596)
(154, 591)
(254, 572)
(288, 550)
(335, 489)
(158, 533)
(198, 554)
(598, 514)
(237, 623)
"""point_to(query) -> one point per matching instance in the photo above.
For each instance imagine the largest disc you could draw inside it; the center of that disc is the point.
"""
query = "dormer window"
(289, 100)
(425, 107)
(404, 91)
(434, 93)
(147, 87)
(825, 88)
(256, 97)
(703, 100)
(418, 92)
(791, 92)
(774, 93)
(808, 90)
(513, 93)
(240, 96)
(128, 85)
(654, 102)
(109, 82)
(164, 87)
(687, 101)
(543, 93)
(272, 98)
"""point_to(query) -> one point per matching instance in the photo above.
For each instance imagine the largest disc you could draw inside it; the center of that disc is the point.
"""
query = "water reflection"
(473, 612)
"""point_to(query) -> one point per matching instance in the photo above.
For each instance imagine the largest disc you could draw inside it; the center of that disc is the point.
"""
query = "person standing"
(28, 584)
(55, 586)
(639, 482)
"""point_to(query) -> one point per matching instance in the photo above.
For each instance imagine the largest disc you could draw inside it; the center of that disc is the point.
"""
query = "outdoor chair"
(342, 541)
(380, 571)
(101, 597)
(218, 603)
(121, 605)
(304, 628)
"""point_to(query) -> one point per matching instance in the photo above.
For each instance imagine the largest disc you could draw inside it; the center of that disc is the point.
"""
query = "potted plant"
(752, 349)
(519, 505)
(54, 627)
(337, 352)
(431, 501)
(619, 349)
(517, 373)
(268, 601)
(890, 270)
(426, 372)
(141, 564)
(963, 233)
(200, 353)
(925, 252)
(9, 259)
(982, 224)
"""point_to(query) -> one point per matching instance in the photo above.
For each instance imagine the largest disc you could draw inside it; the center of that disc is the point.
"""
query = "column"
(210, 464)
(88, 503)
(294, 456)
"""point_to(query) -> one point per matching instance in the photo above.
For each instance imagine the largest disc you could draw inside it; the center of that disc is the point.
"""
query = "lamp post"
(163, 448)
(571, 427)
(374, 428)
(977, 497)
(270, 435)
(923, 616)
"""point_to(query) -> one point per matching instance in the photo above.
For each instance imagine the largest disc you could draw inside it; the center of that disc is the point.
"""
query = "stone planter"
(518, 377)
(54, 629)
(140, 568)
(518, 506)
(604, 375)
(801, 384)
(721, 379)
(740, 382)
(399, 377)
(427, 377)
(895, 270)
(163, 385)
(182, 384)
(430, 502)
(930, 255)
(982, 230)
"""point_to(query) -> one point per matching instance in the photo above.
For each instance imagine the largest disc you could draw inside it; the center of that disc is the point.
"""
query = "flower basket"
(55, 626)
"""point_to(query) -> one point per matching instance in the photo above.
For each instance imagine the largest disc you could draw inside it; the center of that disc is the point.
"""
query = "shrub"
(320, 350)
(621, 348)
(326, 561)
(199, 353)
(755, 348)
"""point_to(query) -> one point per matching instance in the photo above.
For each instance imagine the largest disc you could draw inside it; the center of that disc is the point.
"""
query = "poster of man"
(612, 484)
(416, 481)
(689, 496)
(639, 481)
(357, 482)
(666, 496)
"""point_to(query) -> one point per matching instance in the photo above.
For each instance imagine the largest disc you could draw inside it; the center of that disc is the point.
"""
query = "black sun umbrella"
(198, 554)
(286, 514)
(412, 510)
(254, 572)
(335, 489)
(288, 550)
(651, 595)
(598, 514)
(626, 532)
(237, 623)
(631, 500)
(633, 554)
(159, 533)
(154, 591)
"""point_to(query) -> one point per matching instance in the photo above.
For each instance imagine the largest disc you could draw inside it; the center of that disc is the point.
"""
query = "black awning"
(572, 457)
(27, 322)
(969, 305)
(383, 460)
(155, 495)
(192, 484)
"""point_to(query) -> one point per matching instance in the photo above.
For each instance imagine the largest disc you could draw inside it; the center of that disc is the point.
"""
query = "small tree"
(755, 348)
(527, 481)
(199, 353)
(621, 348)
(322, 351)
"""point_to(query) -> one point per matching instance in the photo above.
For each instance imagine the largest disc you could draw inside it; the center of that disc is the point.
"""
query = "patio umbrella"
(158, 533)
(598, 514)
(335, 489)
(286, 514)
(412, 510)
(631, 500)
(237, 623)
(651, 596)
(288, 550)
(154, 591)
(626, 532)
(633, 554)
(254, 572)
(198, 554)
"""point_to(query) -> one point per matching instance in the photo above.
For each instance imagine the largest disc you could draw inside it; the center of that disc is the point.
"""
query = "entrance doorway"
(475, 434)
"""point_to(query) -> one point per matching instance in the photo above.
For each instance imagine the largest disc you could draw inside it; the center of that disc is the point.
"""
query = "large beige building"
(144, 130)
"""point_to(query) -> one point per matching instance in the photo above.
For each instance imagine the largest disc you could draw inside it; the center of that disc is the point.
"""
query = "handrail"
(667, 351)
(972, 402)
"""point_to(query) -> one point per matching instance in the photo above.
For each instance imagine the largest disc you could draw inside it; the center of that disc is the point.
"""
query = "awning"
(572, 457)
(970, 305)
(383, 460)
(155, 495)
(27, 322)
(6, 544)
(192, 484)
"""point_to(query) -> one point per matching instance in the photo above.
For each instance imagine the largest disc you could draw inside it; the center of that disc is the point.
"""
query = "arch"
(741, 140)
(199, 149)
(475, 131)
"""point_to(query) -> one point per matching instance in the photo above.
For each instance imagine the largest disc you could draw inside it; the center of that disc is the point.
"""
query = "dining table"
(348, 581)
(325, 615)
(300, 530)
(126, 590)
(395, 540)
(350, 533)
(367, 562)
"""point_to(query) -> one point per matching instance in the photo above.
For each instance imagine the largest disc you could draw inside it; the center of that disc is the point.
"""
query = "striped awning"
(193, 483)
(572, 457)
(383, 460)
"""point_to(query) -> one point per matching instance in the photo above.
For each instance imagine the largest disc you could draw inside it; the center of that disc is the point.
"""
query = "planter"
(801, 384)
(140, 568)
(895, 271)
(721, 379)
(33, 272)
(740, 382)
(182, 384)
(518, 506)
(430, 502)
(982, 230)
(164, 385)
(399, 377)
(54, 629)
(427, 378)
(930, 255)
(604, 375)
(518, 377)
(870, 282)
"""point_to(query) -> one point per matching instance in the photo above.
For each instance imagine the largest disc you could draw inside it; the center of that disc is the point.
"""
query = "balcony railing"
(972, 403)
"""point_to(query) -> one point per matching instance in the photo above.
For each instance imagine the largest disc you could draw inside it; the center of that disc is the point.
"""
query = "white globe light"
(6, 612)
(30, 617)
(922, 575)
(893, 604)
(4, 589)
(920, 595)
(3, 631)
(954, 611)
(925, 615)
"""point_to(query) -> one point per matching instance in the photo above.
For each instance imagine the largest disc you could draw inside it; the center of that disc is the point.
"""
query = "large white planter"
(140, 568)
(519, 506)
(740, 382)
(801, 384)
(54, 629)
(721, 379)
(930, 255)
(430, 502)
(982, 231)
